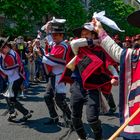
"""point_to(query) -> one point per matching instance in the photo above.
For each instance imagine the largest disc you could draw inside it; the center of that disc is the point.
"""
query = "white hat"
(88, 26)
(54, 20)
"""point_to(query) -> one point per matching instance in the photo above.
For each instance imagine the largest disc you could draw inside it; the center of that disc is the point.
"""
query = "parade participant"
(129, 76)
(109, 97)
(90, 76)
(11, 65)
(56, 92)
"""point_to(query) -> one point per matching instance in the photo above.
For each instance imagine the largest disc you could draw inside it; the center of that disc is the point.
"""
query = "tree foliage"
(26, 15)
(73, 11)
(117, 11)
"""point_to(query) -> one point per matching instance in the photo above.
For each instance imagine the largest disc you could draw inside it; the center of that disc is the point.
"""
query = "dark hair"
(96, 34)
(8, 45)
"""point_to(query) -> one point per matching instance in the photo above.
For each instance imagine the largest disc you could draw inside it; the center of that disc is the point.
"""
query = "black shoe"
(52, 121)
(26, 117)
(12, 117)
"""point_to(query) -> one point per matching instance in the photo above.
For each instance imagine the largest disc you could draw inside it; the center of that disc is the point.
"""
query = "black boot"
(97, 129)
(26, 113)
(12, 116)
(50, 105)
(111, 103)
(62, 104)
(10, 105)
(78, 126)
(68, 122)
(26, 117)
(60, 99)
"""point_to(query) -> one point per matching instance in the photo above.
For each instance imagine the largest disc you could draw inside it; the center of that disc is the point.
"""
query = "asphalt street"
(34, 129)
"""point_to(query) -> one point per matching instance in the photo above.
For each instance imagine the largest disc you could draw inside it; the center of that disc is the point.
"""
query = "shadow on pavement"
(36, 89)
(3, 105)
(32, 99)
(38, 125)
(108, 130)
(116, 114)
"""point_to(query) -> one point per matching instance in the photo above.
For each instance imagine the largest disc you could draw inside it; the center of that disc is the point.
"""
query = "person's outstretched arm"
(107, 43)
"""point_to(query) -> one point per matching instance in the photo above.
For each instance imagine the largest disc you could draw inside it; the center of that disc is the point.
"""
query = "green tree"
(27, 15)
(116, 10)
(73, 11)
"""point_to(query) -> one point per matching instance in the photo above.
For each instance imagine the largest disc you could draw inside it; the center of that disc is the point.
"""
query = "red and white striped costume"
(10, 66)
(56, 59)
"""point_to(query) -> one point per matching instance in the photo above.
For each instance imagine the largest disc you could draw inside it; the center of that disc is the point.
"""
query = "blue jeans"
(27, 75)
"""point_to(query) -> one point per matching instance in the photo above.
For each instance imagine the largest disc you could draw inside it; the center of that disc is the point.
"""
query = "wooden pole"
(115, 135)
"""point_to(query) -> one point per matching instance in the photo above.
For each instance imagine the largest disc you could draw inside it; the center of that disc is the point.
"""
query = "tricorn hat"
(87, 26)
(57, 27)
(134, 18)
(3, 41)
